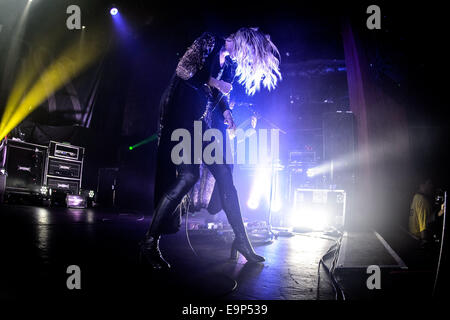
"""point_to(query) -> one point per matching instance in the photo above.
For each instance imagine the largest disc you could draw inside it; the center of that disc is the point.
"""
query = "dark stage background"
(389, 78)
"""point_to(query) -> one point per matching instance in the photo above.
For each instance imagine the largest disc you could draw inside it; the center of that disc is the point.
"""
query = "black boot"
(166, 219)
(242, 244)
(149, 252)
(230, 203)
(149, 248)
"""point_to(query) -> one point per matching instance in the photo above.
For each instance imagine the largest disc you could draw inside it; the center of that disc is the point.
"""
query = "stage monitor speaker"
(330, 203)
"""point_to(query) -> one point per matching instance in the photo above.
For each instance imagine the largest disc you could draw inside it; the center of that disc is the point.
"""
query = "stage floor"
(38, 244)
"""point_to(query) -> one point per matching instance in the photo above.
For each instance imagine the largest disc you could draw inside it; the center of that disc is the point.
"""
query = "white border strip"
(409, 233)
(391, 251)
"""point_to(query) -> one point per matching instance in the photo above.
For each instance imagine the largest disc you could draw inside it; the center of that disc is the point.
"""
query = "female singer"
(199, 91)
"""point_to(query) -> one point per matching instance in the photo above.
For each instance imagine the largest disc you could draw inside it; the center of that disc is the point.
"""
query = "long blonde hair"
(257, 59)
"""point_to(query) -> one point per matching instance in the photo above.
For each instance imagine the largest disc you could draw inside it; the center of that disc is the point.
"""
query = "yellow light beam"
(14, 49)
(23, 81)
(29, 69)
(69, 64)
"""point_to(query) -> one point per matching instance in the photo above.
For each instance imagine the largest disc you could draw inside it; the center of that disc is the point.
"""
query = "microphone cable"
(185, 204)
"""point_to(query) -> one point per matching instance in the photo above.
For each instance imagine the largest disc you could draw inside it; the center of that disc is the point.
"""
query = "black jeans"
(188, 174)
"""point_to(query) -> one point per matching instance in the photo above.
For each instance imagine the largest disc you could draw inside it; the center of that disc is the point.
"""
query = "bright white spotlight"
(253, 203)
(44, 190)
(114, 11)
(265, 183)
(308, 218)
(310, 172)
(259, 187)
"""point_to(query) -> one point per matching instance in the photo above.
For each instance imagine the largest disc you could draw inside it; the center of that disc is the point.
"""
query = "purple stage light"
(114, 11)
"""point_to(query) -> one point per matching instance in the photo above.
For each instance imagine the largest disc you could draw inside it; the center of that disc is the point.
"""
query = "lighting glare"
(276, 203)
(74, 201)
(42, 217)
(113, 11)
(310, 172)
(253, 203)
(261, 189)
(309, 218)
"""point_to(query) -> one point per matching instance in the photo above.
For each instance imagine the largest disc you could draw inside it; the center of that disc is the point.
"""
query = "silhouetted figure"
(423, 215)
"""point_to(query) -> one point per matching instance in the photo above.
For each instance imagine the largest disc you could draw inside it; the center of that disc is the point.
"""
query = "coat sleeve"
(191, 67)
(228, 76)
(222, 101)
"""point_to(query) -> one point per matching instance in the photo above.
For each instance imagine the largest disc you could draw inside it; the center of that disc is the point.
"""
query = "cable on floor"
(339, 292)
(185, 204)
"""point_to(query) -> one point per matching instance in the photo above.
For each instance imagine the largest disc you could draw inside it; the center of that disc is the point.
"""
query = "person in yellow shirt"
(422, 214)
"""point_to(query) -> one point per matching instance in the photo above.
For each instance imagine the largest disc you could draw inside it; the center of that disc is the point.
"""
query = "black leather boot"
(149, 253)
(241, 244)
(231, 207)
(149, 248)
(166, 218)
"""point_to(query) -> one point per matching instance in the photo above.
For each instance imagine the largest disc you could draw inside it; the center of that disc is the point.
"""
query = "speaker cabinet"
(25, 164)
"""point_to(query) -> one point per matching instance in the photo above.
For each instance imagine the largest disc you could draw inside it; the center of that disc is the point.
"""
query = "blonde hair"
(256, 58)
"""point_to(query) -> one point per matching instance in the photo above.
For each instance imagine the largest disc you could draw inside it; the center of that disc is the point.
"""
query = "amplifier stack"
(64, 167)
(28, 169)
